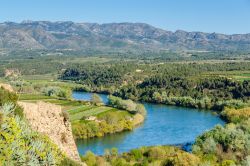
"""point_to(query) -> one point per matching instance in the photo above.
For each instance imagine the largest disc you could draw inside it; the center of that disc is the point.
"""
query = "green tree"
(96, 99)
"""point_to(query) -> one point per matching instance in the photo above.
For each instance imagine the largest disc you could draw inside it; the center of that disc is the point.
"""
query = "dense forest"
(181, 84)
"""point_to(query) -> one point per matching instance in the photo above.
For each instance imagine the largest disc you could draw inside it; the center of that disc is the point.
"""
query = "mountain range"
(117, 36)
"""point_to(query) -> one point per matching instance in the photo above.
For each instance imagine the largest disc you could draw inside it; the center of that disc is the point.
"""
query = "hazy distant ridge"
(70, 35)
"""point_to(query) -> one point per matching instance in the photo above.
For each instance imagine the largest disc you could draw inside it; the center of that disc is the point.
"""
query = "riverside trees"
(191, 85)
(96, 100)
(128, 105)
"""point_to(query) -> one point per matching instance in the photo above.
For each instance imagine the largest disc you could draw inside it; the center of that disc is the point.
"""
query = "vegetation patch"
(19, 144)
(158, 155)
(96, 121)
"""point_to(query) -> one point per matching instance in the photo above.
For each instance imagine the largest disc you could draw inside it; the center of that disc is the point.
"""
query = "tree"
(89, 158)
(157, 97)
(96, 100)
(141, 109)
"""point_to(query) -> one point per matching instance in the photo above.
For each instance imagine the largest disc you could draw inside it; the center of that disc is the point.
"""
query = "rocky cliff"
(49, 119)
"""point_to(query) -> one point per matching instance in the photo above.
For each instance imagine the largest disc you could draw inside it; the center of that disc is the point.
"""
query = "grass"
(89, 112)
(76, 109)
(38, 78)
(66, 104)
(80, 109)
(34, 97)
(235, 75)
(118, 113)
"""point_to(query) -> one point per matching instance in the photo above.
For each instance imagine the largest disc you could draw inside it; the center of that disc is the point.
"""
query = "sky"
(221, 16)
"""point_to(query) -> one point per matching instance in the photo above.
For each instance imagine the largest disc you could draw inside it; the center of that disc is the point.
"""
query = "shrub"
(1, 118)
(89, 159)
(56, 92)
(96, 100)
(68, 162)
(156, 153)
(65, 115)
(21, 146)
(128, 105)
(228, 163)
(141, 109)
(229, 142)
(7, 97)
(137, 153)
(209, 146)
(236, 115)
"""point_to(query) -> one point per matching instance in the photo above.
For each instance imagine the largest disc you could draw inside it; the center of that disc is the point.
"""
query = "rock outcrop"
(49, 119)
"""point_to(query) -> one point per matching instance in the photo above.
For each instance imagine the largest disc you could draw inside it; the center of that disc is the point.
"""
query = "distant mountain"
(117, 36)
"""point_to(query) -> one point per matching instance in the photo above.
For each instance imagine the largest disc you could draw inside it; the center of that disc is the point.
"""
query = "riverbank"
(164, 125)
(97, 121)
(221, 145)
(89, 120)
(185, 102)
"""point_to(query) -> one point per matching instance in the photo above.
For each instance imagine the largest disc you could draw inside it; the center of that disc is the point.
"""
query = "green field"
(66, 104)
(235, 75)
(77, 109)
(28, 97)
(89, 111)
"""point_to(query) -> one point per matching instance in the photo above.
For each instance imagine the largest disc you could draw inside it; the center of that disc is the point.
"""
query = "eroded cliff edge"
(50, 120)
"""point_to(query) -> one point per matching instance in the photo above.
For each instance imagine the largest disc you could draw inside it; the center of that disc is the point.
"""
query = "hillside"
(116, 36)
(48, 119)
(22, 144)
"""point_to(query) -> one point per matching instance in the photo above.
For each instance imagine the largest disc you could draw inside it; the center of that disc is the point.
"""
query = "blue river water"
(164, 125)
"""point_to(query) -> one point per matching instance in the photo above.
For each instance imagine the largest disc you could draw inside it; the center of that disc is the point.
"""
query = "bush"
(156, 153)
(145, 156)
(141, 110)
(236, 115)
(89, 159)
(127, 105)
(229, 142)
(7, 97)
(68, 162)
(56, 92)
(137, 154)
(1, 118)
(65, 115)
(96, 100)
(21, 146)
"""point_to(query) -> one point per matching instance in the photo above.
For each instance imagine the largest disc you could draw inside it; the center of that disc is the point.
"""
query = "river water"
(164, 125)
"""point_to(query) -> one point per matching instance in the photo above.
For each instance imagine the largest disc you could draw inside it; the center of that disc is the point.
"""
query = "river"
(164, 125)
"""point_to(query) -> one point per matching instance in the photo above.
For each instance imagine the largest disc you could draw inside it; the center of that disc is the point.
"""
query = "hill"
(116, 36)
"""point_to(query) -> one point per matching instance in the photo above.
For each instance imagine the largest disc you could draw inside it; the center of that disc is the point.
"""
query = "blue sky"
(223, 16)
